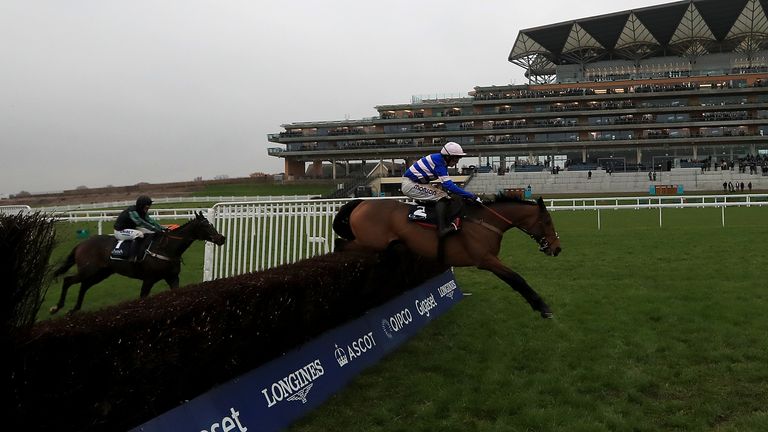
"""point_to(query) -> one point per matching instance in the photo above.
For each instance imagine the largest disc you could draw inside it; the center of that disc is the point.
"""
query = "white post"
(659, 217)
(598, 218)
(208, 260)
(722, 216)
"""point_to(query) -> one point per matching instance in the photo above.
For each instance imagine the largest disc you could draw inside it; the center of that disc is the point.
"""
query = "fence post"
(598, 219)
(208, 259)
(722, 217)
(659, 215)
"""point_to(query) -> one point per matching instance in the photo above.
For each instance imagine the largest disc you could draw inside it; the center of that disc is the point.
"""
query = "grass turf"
(655, 329)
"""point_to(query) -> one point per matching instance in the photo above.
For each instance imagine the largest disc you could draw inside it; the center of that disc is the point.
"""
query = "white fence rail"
(262, 235)
(14, 209)
(176, 200)
(109, 216)
(669, 199)
(269, 234)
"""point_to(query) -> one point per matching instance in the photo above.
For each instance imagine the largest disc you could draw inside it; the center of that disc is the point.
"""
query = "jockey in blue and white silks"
(416, 182)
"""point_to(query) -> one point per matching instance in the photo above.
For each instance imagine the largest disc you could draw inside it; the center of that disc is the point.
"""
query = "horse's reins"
(543, 243)
(163, 257)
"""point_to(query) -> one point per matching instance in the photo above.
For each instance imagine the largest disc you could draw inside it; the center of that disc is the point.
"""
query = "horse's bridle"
(542, 241)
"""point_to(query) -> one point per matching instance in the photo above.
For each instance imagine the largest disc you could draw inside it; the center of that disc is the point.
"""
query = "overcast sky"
(107, 92)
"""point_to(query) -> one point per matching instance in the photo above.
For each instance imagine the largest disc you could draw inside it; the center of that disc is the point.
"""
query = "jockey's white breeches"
(131, 234)
(422, 192)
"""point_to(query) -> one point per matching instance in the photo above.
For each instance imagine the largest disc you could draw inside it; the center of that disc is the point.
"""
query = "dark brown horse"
(162, 260)
(376, 224)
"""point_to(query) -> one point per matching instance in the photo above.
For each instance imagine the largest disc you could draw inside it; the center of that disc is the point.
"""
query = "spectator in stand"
(589, 175)
(749, 186)
(725, 187)
(741, 186)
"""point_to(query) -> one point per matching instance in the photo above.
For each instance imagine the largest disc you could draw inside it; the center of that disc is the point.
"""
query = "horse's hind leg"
(68, 281)
(519, 284)
(88, 283)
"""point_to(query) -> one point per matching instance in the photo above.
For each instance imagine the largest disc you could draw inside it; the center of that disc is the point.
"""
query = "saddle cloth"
(425, 214)
(125, 251)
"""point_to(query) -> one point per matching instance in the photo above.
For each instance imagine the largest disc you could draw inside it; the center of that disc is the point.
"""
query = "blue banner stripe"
(272, 396)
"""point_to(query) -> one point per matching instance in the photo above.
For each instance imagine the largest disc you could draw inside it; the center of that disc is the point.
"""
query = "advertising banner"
(272, 396)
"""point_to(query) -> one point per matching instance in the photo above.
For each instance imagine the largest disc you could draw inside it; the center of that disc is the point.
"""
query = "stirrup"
(449, 228)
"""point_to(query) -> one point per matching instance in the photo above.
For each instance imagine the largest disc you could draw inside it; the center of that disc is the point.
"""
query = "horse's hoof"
(547, 315)
(53, 309)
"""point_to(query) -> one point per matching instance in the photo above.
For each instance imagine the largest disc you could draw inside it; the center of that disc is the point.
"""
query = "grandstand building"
(684, 84)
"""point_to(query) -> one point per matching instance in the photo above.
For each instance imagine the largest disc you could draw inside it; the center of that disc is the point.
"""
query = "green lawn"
(260, 189)
(655, 329)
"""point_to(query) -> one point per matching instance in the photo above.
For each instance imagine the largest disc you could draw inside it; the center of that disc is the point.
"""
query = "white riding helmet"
(452, 149)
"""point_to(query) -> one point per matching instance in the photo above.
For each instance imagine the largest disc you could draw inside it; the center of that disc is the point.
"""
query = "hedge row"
(119, 367)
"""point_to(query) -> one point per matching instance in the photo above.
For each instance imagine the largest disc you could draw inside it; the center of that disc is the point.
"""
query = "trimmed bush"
(117, 368)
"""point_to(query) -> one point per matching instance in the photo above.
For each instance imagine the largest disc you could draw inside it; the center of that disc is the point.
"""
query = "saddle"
(131, 250)
(424, 213)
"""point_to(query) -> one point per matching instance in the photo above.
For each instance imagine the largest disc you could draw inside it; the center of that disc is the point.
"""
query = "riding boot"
(135, 248)
(444, 227)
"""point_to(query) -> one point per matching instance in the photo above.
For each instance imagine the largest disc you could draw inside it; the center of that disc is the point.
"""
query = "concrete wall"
(576, 182)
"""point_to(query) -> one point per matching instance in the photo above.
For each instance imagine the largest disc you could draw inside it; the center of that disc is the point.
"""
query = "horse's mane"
(501, 197)
(179, 227)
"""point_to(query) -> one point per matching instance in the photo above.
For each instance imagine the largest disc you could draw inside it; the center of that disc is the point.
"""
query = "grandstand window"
(462, 140)
(762, 97)
(679, 133)
(672, 117)
(762, 114)
(541, 108)
(723, 100)
(557, 137)
(665, 103)
(711, 131)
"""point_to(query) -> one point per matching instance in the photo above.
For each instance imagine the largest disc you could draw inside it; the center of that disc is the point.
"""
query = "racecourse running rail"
(261, 235)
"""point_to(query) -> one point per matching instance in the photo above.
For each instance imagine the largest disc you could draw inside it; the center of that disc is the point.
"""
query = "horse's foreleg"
(68, 281)
(518, 284)
(173, 281)
(146, 287)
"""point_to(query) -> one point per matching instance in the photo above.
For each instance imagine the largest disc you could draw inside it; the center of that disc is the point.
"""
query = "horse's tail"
(341, 220)
(69, 262)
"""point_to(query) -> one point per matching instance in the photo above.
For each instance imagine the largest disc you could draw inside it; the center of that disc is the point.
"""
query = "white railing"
(176, 200)
(109, 216)
(262, 235)
(660, 207)
(662, 199)
(14, 209)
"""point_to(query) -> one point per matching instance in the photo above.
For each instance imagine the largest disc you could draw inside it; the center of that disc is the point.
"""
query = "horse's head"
(542, 229)
(203, 230)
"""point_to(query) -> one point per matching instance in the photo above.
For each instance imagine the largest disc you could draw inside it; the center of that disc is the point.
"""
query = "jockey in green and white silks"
(135, 221)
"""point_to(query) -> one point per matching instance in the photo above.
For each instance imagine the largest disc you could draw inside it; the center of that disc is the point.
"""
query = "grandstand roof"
(686, 28)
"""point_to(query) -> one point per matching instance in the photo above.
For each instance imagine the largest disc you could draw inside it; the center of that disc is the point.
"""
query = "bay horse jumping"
(161, 261)
(376, 225)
